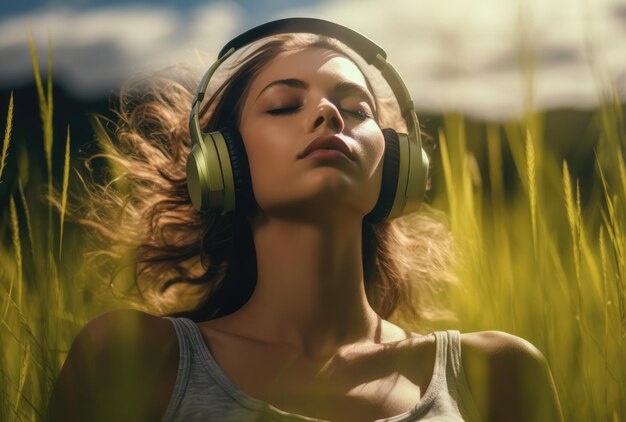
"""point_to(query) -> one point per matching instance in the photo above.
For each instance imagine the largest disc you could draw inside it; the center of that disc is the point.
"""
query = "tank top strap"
(441, 354)
(185, 331)
(457, 382)
(454, 352)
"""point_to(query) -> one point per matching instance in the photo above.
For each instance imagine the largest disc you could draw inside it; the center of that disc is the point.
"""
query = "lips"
(333, 142)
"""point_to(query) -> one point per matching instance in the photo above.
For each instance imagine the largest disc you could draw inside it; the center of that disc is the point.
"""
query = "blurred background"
(523, 99)
(454, 54)
(488, 60)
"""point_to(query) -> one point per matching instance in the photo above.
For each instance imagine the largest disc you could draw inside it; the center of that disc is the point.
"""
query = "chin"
(321, 190)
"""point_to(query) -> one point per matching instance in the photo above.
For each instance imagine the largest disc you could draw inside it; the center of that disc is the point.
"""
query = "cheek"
(373, 148)
(379, 148)
(372, 152)
(266, 160)
(378, 152)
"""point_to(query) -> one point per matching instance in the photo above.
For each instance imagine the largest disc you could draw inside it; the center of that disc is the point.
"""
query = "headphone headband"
(365, 47)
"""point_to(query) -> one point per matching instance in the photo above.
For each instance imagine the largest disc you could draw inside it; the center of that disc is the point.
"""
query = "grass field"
(542, 257)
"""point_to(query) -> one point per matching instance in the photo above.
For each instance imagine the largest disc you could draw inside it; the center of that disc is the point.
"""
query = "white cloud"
(93, 51)
(461, 55)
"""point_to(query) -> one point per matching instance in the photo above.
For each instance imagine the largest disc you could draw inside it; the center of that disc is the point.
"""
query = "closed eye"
(359, 114)
(284, 110)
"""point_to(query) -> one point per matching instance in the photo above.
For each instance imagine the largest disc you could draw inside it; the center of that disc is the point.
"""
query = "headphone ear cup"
(389, 184)
(205, 181)
(244, 197)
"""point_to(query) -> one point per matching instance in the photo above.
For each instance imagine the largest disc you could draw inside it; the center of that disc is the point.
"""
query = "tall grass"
(41, 307)
(541, 262)
(540, 257)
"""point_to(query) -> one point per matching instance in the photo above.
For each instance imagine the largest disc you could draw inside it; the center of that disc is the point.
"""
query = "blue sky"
(453, 54)
(25, 6)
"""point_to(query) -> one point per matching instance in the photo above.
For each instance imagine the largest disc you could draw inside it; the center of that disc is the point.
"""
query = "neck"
(310, 293)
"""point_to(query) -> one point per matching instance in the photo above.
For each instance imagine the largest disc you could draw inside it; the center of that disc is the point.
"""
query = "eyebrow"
(341, 89)
(292, 83)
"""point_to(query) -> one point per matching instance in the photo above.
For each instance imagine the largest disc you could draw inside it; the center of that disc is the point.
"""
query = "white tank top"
(203, 391)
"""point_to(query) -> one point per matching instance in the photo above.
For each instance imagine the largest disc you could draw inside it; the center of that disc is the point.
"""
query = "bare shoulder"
(508, 377)
(124, 337)
(114, 329)
(500, 344)
(122, 365)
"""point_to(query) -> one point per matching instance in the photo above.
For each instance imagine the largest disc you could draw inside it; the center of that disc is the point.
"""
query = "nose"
(327, 114)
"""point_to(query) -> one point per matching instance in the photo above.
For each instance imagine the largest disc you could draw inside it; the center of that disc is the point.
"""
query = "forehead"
(310, 64)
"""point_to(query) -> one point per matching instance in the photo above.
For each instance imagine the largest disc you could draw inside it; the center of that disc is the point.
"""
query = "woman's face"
(313, 144)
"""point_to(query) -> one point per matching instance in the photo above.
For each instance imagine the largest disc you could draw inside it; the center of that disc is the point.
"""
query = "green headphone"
(218, 174)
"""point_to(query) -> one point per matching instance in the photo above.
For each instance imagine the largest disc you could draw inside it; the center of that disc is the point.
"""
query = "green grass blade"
(48, 119)
(7, 301)
(588, 255)
(15, 231)
(496, 177)
(66, 175)
(515, 141)
(29, 227)
(532, 186)
(622, 172)
(447, 171)
(42, 99)
(572, 219)
(23, 374)
(7, 135)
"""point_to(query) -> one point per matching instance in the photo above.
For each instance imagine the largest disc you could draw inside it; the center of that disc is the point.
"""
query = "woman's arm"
(509, 378)
(121, 366)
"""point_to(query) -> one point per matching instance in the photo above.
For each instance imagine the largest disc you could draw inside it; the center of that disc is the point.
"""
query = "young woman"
(297, 268)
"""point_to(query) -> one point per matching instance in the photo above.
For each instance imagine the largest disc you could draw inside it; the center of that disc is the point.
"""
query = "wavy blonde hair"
(186, 262)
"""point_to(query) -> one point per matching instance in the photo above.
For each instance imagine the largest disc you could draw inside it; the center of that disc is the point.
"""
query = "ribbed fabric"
(203, 392)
